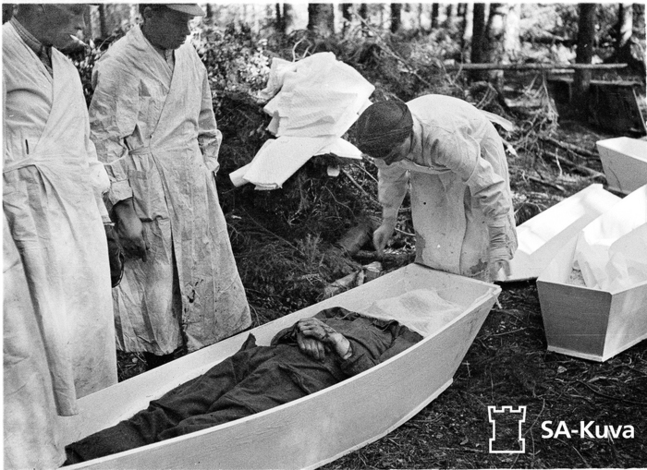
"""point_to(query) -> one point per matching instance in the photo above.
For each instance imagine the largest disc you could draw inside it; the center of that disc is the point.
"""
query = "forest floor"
(508, 365)
(285, 243)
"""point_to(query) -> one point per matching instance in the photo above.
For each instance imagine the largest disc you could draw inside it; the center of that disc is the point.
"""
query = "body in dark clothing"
(255, 379)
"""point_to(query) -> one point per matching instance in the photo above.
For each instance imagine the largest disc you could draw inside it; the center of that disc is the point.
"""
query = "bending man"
(313, 354)
(153, 124)
(460, 194)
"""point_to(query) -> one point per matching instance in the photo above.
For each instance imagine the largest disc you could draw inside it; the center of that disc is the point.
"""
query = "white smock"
(155, 130)
(31, 433)
(53, 204)
(459, 186)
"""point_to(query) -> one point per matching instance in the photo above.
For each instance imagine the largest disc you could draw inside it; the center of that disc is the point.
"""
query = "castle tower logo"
(506, 422)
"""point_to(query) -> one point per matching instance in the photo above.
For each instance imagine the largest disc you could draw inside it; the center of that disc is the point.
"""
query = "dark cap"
(383, 126)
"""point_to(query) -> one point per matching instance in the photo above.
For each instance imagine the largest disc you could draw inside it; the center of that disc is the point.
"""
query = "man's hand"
(311, 346)
(129, 229)
(500, 253)
(315, 329)
(495, 266)
(381, 236)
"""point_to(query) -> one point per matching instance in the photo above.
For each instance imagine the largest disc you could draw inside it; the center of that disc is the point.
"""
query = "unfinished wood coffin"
(591, 323)
(316, 429)
(542, 236)
(624, 161)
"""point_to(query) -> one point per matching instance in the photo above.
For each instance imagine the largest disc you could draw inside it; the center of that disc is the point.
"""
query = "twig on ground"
(272, 233)
(573, 148)
(546, 183)
(361, 167)
(586, 463)
(407, 234)
(462, 449)
(604, 395)
(505, 333)
(358, 186)
(581, 168)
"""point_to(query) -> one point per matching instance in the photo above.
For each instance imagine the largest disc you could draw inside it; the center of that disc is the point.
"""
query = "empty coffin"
(316, 429)
(601, 321)
(624, 161)
(542, 236)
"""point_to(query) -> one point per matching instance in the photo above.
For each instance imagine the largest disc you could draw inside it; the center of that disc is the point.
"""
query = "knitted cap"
(383, 126)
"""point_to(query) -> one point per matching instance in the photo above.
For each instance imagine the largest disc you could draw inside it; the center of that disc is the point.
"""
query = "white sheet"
(611, 252)
(315, 101)
(421, 310)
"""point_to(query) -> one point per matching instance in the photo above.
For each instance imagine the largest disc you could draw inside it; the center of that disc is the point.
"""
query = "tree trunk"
(468, 24)
(449, 15)
(396, 17)
(287, 16)
(495, 34)
(102, 21)
(585, 41)
(512, 34)
(434, 16)
(321, 19)
(478, 34)
(347, 15)
(625, 25)
(280, 24)
(419, 16)
(363, 14)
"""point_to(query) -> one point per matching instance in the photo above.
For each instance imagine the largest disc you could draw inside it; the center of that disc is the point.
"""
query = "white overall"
(155, 130)
(459, 186)
(52, 202)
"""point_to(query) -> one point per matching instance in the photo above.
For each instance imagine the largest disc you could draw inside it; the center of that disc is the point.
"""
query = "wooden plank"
(323, 426)
(522, 67)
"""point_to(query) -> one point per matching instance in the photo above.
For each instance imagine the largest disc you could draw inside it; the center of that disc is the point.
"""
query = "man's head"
(53, 24)
(167, 25)
(384, 131)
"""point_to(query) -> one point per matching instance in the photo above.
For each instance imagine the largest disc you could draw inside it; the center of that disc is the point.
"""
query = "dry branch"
(535, 67)
(387, 48)
(571, 147)
(581, 168)
(546, 183)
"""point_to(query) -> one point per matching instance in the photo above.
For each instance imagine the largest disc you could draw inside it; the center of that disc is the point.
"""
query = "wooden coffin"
(624, 161)
(542, 236)
(316, 429)
(591, 323)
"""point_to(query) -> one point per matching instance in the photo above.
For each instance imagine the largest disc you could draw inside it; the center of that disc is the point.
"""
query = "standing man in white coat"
(454, 160)
(52, 200)
(153, 124)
